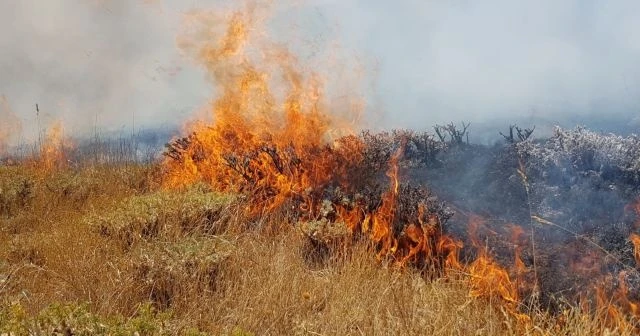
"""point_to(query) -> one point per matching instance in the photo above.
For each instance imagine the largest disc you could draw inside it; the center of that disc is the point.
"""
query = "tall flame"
(382, 219)
(490, 280)
(53, 150)
(272, 132)
(282, 146)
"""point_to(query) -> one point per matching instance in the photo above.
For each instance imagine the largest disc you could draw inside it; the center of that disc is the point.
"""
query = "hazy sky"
(110, 62)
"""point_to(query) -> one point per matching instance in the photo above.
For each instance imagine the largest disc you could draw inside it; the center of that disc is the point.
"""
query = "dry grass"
(105, 251)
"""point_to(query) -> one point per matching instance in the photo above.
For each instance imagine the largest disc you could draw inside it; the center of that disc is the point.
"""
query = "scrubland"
(107, 250)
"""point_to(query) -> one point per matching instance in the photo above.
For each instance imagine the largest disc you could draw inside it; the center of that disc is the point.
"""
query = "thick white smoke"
(114, 64)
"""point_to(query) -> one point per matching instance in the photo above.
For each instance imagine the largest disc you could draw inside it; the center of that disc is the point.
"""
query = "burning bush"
(404, 221)
(272, 137)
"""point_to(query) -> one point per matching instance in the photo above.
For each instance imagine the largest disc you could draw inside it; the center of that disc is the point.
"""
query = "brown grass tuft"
(103, 251)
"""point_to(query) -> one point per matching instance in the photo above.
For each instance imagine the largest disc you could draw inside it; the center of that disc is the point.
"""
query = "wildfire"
(616, 304)
(382, 219)
(614, 308)
(635, 239)
(272, 137)
(517, 238)
(623, 295)
(10, 126)
(53, 150)
(281, 149)
(488, 279)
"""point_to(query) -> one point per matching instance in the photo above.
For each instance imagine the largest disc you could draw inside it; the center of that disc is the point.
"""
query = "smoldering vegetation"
(572, 194)
(561, 207)
(98, 148)
(178, 261)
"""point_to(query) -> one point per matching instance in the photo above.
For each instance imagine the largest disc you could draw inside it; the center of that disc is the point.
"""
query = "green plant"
(164, 214)
(77, 319)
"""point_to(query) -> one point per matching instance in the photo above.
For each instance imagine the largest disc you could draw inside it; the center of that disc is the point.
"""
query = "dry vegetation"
(103, 250)
(274, 220)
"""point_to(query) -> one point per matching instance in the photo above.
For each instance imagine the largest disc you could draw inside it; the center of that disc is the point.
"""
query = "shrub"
(16, 190)
(74, 187)
(77, 319)
(162, 214)
(166, 272)
(79, 186)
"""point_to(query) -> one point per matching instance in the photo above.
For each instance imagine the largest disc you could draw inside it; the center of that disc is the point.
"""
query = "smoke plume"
(115, 65)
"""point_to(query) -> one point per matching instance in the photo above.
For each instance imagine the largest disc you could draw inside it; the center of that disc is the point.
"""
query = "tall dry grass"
(103, 250)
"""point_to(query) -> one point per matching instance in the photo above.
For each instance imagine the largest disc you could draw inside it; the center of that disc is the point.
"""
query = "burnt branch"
(456, 135)
(272, 152)
(177, 149)
(439, 131)
(239, 166)
(520, 136)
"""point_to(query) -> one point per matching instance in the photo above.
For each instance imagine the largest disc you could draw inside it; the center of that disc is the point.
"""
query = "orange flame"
(517, 237)
(289, 148)
(623, 296)
(634, 237)
(487, 278)
(10, 126)
(382, 219)
(615, 317)
(272, 132)
(53, 151)
(283, 148)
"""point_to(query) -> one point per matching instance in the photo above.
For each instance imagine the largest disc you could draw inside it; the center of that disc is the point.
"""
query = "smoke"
(9, 127)
(114, 64)
(465, 60)
(110, 65)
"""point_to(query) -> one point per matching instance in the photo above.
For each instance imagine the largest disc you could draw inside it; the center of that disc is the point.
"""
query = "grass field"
(105, 250)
